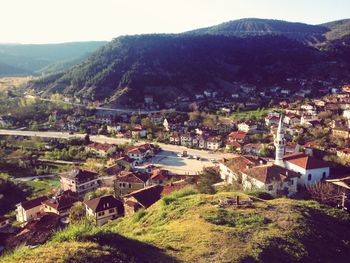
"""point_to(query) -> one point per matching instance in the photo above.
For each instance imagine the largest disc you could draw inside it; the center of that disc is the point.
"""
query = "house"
(126, 162)
(238, 136)
(159, 176)
(235, 146)
(248, 127)
(292, 147)
(101, 149)
(103, 209)
(253, 148)
(186, 139)
(270, 120)
(79, 181)
(140, 153)
(341, 132)
(138, 133)
(127, 182)
(291, 119)
(312, 170)
(273, 179)
(143, 198)
(61, 203)
(344, 153)
(4, 222)
(175, 139)
(230, 169)
(30, 210)
(214, 143)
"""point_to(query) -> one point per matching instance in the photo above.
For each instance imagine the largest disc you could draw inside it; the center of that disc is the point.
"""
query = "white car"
(213, 160)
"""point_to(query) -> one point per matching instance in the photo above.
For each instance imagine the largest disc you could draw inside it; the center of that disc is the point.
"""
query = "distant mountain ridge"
(305, 33)
(169, 65)
(33, 58)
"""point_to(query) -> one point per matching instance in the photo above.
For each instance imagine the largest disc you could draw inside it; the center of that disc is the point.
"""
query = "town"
(104, 166)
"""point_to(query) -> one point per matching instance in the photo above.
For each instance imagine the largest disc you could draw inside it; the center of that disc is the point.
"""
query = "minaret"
(280, 143)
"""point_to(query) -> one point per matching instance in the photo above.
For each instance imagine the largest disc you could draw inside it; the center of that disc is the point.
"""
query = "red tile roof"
(304, 161)
(269, 173)
(238, 135)
(345, 151)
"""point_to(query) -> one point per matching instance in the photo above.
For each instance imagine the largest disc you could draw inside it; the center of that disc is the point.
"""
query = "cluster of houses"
(279, 178)
(133, 189)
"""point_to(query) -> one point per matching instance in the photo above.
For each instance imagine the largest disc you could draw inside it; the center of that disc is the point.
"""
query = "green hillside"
(31, 59)
(188, 227)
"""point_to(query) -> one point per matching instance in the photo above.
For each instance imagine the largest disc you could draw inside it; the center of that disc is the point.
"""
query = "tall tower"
(280, 143)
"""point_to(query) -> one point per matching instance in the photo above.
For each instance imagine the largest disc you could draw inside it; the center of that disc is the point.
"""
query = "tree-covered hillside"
(169, 65)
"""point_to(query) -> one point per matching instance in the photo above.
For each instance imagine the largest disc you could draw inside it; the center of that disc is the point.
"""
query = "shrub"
(139, 215)
(166, 200)
(261, 195)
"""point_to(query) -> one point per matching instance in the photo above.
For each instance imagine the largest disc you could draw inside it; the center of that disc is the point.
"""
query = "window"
(291, 182)
(101, 213)
(324, 175)
(270, 188)
(111, 211)
(309, 177)
(129, 185)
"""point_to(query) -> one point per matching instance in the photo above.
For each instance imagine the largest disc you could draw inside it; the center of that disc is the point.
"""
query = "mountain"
(31, 59)
(256, 27)
(189, 227)
(263, 52)
(337, 29)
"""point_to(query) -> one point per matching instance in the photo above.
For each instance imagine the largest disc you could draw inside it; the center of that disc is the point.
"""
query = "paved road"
(25, 179)
(104, 139)
(122, 110)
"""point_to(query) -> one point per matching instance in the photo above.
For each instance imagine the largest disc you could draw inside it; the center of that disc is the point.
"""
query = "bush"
(139, 215)
(166, 200)
(261, 195)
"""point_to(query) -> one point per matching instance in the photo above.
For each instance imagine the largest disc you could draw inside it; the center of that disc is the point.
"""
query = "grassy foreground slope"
(186, 227)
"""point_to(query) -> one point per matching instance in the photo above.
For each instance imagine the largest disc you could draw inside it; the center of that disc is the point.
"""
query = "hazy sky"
(53, 21)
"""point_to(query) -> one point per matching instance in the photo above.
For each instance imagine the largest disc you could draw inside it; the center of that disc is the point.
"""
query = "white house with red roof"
(311, 170)
(345, 153)
(140, 153)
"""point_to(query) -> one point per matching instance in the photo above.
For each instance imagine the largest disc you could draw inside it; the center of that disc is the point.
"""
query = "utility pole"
(343, 207)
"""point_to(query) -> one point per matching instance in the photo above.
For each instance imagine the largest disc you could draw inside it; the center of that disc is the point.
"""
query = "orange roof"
(269, 173)
(304, 161)
(238, 135)
(346, 151)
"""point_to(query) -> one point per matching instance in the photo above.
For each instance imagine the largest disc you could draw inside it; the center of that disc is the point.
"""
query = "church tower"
(280, 143)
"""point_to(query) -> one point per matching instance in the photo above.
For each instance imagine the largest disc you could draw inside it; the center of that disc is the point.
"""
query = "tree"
(266, 152)
(208, 177)
(77, 212)
(325, 193)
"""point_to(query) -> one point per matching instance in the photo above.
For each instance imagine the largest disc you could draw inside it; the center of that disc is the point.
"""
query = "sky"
(57, 21)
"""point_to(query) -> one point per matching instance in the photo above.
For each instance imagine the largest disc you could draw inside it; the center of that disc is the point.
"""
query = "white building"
(311, 170)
